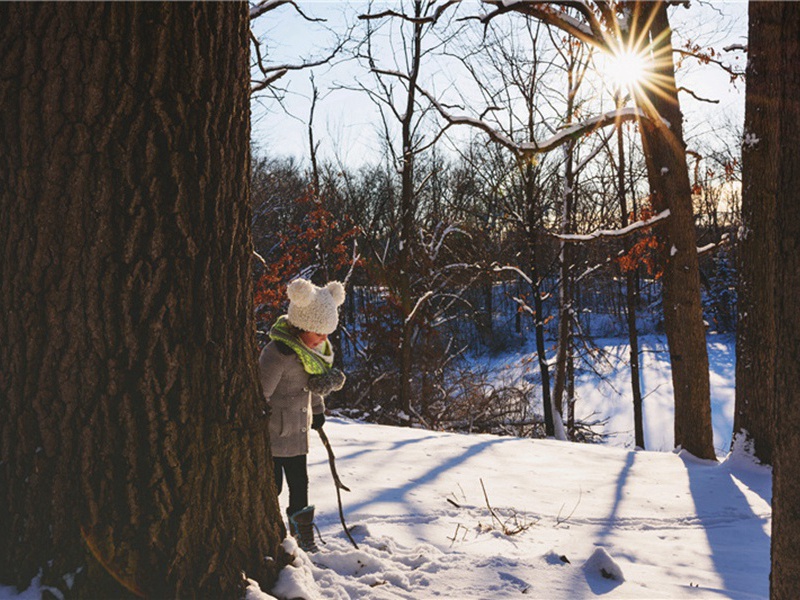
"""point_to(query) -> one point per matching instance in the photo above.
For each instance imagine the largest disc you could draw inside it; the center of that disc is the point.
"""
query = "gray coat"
(284, 382)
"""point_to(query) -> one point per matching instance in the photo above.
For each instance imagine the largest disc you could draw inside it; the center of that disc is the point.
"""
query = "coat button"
(304, 409)
(304, 430)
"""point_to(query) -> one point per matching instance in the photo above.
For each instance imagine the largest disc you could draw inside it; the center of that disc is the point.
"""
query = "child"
(297, 372)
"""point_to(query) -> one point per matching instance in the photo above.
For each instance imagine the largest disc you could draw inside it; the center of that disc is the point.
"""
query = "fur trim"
(332, 381)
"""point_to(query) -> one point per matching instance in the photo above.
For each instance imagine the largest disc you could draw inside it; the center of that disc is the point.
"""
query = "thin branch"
(267, 5)
(416, 20)
(696, 97)
(273, 73)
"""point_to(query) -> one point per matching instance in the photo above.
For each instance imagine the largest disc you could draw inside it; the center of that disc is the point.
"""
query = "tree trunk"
(532, 225)
(564, 286)
(755, 329)
(407, 214)
(630, 302)
(665, 155)
(128, 358)
(785, 578)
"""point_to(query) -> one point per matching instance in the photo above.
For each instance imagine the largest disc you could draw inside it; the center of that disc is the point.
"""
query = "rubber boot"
(301, 525)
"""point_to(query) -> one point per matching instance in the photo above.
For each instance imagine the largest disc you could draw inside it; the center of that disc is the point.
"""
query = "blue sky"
(346, 122)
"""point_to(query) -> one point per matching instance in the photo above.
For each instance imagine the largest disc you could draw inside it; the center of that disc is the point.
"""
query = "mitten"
(332, 381)
(317, 421)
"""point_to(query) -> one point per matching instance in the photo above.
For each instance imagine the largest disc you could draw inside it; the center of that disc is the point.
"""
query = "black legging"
(296, 478)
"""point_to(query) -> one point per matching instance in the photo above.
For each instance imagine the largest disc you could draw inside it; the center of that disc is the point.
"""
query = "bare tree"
(403, 107)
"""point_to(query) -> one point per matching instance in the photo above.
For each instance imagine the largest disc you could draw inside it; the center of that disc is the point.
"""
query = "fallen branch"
(338, 482)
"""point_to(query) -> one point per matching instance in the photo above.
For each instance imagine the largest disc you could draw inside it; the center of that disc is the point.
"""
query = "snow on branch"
(713, 246)
(527, 149)
(612, 232)
(497, 269)
(554, 13)
(422, 299)
(579, 129)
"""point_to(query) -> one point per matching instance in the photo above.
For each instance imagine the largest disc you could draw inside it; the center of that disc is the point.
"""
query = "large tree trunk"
(665, 155)
(128, 361)
(785, 579)
(755, 329)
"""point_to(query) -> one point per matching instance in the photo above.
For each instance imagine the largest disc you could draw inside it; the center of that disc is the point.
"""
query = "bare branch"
(706, 58)
(696, 97)
(416, 20)
(267, 5)
(275, 72)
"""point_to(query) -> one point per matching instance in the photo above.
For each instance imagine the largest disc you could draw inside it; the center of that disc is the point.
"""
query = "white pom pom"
(336, 290)
(301, 292)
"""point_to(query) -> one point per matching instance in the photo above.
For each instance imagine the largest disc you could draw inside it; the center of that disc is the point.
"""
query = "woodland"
(146, 247)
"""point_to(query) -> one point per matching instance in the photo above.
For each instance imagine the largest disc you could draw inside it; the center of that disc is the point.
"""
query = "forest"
(513, 206)
(517, 177)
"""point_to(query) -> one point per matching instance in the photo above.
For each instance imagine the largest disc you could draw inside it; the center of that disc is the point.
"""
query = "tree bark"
(538, 305)
(665, 156)
(630, 302)
(407, 219)
(785, 578)
(755, 328)
(132, 458)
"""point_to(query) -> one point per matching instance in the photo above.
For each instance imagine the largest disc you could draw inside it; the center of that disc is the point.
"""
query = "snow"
(567, 237)
(472, 517)
(750, 140)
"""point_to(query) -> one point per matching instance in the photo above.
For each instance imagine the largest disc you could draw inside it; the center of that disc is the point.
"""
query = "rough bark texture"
(785, 579)
(665, 155)
(755, 328)
(128, 361)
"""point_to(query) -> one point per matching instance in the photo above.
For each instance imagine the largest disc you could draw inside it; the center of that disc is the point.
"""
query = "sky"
(346, 121)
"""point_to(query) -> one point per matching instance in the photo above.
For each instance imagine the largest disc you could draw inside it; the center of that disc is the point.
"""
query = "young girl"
(297, 372)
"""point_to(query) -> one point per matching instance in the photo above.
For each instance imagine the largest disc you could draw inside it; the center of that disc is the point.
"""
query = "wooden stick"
(338, 482)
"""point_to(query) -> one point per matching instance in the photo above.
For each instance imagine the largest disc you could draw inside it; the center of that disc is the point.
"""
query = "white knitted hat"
(313, 308)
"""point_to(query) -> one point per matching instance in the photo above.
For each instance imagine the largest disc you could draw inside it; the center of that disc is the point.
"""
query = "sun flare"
(626, 70)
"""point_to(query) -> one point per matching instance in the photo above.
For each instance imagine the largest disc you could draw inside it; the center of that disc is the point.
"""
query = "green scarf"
(315, 362)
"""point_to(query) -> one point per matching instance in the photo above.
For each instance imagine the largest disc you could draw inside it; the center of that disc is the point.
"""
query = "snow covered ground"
(668, 525)
(480, 517)
(474, 517)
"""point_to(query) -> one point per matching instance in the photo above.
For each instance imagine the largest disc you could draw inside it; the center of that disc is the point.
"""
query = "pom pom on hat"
(337, 292)
(313, 308)
(300, 292)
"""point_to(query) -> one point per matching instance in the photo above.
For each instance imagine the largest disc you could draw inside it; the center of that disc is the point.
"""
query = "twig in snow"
(559, 520)
(518, 527)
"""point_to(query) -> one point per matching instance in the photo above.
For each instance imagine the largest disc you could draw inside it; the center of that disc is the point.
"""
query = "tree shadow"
(398, 495)
(736, 535)
(594, 579)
